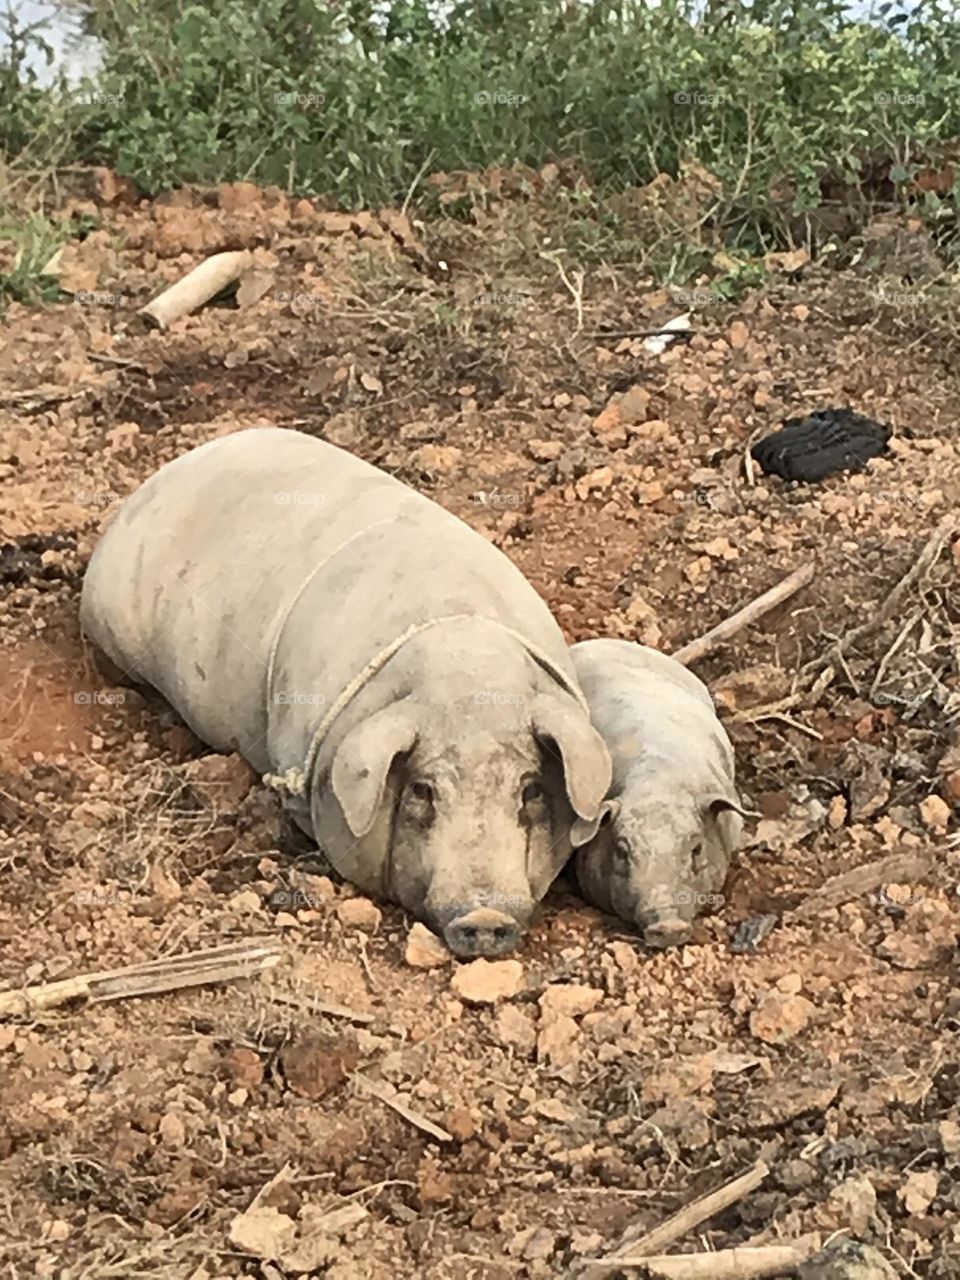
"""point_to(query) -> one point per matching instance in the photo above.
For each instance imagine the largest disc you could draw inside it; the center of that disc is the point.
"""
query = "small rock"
(837, 812)
(219, 781)
(847, 1259)
(460, 1123)
(263, 1232)
(515, 1028)
(634, 404)
(607, 421)
(172, 1131)
(439, 459)
(359, 913)
(601, 478)
(571, 999)
(738, 335)
(919, 1191)
(545, 450)
(245, 902)
(559, 1040)
(790, 984)
(244, 1067)
(554, 1109)
(487, 981)
(855, 1203)
(778, 1018)
(949, 1132)
(935, 812)
(539, 1244)
(424, 949)
(319, 1064)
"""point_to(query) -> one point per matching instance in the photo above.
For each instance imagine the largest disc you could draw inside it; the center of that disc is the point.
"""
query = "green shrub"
(353, 99)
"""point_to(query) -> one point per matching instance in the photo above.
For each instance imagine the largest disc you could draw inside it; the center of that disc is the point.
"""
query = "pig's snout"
(482, 932)
(667, 931)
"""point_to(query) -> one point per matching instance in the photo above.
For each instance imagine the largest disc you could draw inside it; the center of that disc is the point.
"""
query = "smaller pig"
(672, 819)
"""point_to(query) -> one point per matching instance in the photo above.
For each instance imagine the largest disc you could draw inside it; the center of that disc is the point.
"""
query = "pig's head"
(657, 863)
(470, 804)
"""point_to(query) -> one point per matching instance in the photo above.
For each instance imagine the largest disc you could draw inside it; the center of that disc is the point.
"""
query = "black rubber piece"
(826, 441)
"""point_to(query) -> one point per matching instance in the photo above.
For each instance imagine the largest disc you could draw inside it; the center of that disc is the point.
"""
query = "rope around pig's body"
(294, 781)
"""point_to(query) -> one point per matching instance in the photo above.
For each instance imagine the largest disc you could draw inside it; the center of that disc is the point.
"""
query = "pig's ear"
(363, 760)
(584, 829)
(587, 770)
(728, 814)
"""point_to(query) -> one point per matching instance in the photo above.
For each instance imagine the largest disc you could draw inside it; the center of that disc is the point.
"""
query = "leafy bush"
(354, 99)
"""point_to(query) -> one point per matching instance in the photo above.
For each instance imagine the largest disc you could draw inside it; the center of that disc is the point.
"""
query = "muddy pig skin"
(388, 669)
(673, 819)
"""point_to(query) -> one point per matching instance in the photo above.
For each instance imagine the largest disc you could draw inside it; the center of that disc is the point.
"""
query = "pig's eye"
(697, 859)
(532, 793)
(422, 792)
(621, 851)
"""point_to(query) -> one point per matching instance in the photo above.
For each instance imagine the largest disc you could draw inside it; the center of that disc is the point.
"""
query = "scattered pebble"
(424, 950)
(487, 981)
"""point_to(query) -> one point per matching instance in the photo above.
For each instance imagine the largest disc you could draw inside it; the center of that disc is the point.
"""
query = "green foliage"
(22, 102)
(351, 98)
(35, 240)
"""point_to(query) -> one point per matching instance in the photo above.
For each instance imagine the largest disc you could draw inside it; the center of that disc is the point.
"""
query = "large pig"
(387, 667)
(673, 818)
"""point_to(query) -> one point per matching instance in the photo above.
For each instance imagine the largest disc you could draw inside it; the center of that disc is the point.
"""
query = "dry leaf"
(370, 383)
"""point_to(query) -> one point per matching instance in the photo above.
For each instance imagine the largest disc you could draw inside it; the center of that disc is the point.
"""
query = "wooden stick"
(196, 968)
(310, 1005)
(898, 868)
(197, 287)
(762, 1263)
(677, 1226)
(412, 1117)
(698, 649)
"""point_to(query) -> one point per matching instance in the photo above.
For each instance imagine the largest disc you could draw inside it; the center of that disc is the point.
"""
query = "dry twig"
(197, 968)
(697, 649)
(676, 1227)
(380, 1091)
